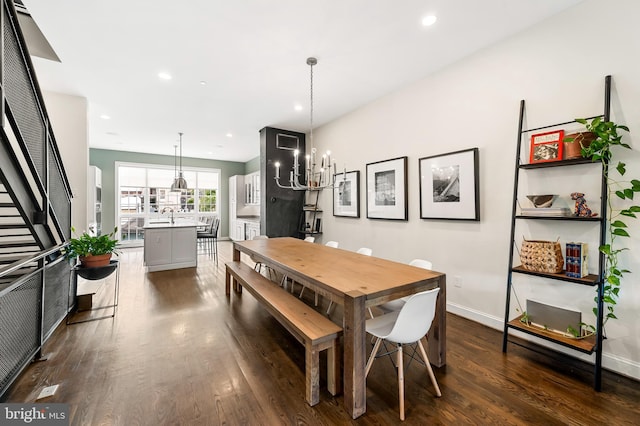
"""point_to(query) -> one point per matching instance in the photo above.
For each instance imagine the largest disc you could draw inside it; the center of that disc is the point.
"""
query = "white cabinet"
(170, 247)
(252, 188)
(252, 230)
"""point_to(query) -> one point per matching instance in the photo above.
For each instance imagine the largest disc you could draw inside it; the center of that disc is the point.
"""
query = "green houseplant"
(604, 148)
(92, 251)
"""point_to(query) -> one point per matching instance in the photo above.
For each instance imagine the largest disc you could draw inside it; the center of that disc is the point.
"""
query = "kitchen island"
(170, 246)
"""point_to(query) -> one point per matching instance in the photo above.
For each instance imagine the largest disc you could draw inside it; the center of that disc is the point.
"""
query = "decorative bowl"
(541, 201)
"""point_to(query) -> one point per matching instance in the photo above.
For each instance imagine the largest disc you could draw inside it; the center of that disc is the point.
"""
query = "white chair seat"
(406, 326)
(396, 305)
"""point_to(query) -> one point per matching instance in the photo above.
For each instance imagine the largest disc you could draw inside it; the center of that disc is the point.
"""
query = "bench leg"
(227, 283)
(334, 384)
(312, 374)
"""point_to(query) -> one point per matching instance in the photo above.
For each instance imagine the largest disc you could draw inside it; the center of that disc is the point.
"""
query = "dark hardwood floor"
(178, 352)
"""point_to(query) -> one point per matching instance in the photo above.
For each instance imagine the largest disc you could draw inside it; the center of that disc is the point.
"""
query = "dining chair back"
(366, 251)
(406, 326)
(310, 239)
(333, 244)
(396, 305)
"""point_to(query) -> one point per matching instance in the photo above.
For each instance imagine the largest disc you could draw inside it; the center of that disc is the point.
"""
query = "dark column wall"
(279, 208)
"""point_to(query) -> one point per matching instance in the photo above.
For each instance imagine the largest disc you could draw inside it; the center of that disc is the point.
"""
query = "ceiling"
(238, 66)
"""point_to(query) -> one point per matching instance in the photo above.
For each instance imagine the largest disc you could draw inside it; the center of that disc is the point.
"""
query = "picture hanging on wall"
(387, 196)
(346, 194)
(449, 186)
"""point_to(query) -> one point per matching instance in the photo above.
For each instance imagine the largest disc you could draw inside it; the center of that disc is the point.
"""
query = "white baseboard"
(612, 362)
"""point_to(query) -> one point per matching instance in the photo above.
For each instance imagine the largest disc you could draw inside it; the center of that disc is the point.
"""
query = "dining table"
(357, 282)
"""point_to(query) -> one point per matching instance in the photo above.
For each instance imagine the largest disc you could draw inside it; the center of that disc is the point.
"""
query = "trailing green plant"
(608, 137)
(86, 245)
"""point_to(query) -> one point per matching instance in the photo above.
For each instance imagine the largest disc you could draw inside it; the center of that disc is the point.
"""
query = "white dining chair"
(310, 239)
(364, 250)
(396, 305)
(406, 326)
(333, 244)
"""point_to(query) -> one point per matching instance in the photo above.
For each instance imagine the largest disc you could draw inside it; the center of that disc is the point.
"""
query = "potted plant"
(574, 143)
(603, 148)
(92, 251)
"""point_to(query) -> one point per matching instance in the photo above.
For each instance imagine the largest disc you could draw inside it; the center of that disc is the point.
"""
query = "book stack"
(547, 211)
(576, 260)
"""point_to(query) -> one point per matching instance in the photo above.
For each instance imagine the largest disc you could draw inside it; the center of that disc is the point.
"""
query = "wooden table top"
(341, 270)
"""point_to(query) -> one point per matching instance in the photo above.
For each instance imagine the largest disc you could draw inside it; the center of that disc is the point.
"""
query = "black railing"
(31, 307)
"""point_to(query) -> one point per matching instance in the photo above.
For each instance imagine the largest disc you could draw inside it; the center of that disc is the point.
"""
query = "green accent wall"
(252, 166)
(105, 160)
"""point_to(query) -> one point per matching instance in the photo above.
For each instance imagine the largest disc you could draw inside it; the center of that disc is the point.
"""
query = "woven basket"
(542, 256)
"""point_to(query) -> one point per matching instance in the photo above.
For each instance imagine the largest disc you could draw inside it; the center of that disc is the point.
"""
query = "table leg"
(437, 336)
(236, 257)
(355, 354)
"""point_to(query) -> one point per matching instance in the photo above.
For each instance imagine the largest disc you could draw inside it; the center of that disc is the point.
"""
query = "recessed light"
(429, 20)
(164, 76)
(229, 135)
(210, 153)
(105, 117)
(298, 107)
(203, 83)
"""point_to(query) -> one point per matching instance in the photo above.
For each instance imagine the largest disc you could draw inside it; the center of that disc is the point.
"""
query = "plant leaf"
(619, 224)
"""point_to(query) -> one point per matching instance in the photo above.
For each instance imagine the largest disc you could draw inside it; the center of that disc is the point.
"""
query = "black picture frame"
(450, 186)
(387, 193)
(346, 194)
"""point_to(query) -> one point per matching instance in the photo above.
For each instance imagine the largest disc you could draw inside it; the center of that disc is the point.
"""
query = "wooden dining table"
(356, 282)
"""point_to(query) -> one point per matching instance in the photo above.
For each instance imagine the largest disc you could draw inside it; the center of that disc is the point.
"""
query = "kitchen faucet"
(170, 209)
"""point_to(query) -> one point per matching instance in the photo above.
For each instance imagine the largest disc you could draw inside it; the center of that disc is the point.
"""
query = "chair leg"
(429, 369)
(401, 381)
(328, 308)
(372, 357)
(301, 291)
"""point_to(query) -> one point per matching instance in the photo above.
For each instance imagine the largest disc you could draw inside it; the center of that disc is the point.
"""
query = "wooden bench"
(315, 331)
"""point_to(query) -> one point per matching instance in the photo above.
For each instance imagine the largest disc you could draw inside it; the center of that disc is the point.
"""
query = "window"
(145, 196)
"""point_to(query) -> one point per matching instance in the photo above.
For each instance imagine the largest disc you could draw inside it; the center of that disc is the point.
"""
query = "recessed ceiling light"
(429, 20)
(210, 153)
(203, 83)
(105, 117)
(298, 107)
(229, 135)
(164, 76)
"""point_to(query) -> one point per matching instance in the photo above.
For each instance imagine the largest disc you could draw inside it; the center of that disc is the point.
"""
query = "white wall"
(68, 115)
(558, 67)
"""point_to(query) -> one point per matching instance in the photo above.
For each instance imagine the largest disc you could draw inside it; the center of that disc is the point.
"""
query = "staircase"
(16, 240)
(35, 211)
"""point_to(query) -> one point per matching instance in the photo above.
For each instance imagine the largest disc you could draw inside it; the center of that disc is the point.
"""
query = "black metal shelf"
(559, 163)
(587, 345)
(590, 280)
(565, 218)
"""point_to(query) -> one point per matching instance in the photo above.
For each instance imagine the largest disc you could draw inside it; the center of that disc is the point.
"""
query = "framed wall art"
(387, 196)
(346, 194)
(449, 186)
(546, 147)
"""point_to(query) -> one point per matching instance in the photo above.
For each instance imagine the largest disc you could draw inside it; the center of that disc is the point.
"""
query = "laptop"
(553, 318)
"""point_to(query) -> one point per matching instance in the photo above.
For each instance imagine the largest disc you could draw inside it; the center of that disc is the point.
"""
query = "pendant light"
(314, 179)
(179, 182)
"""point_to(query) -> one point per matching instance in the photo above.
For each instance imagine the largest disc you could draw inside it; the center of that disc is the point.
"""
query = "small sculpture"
(581, 210)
